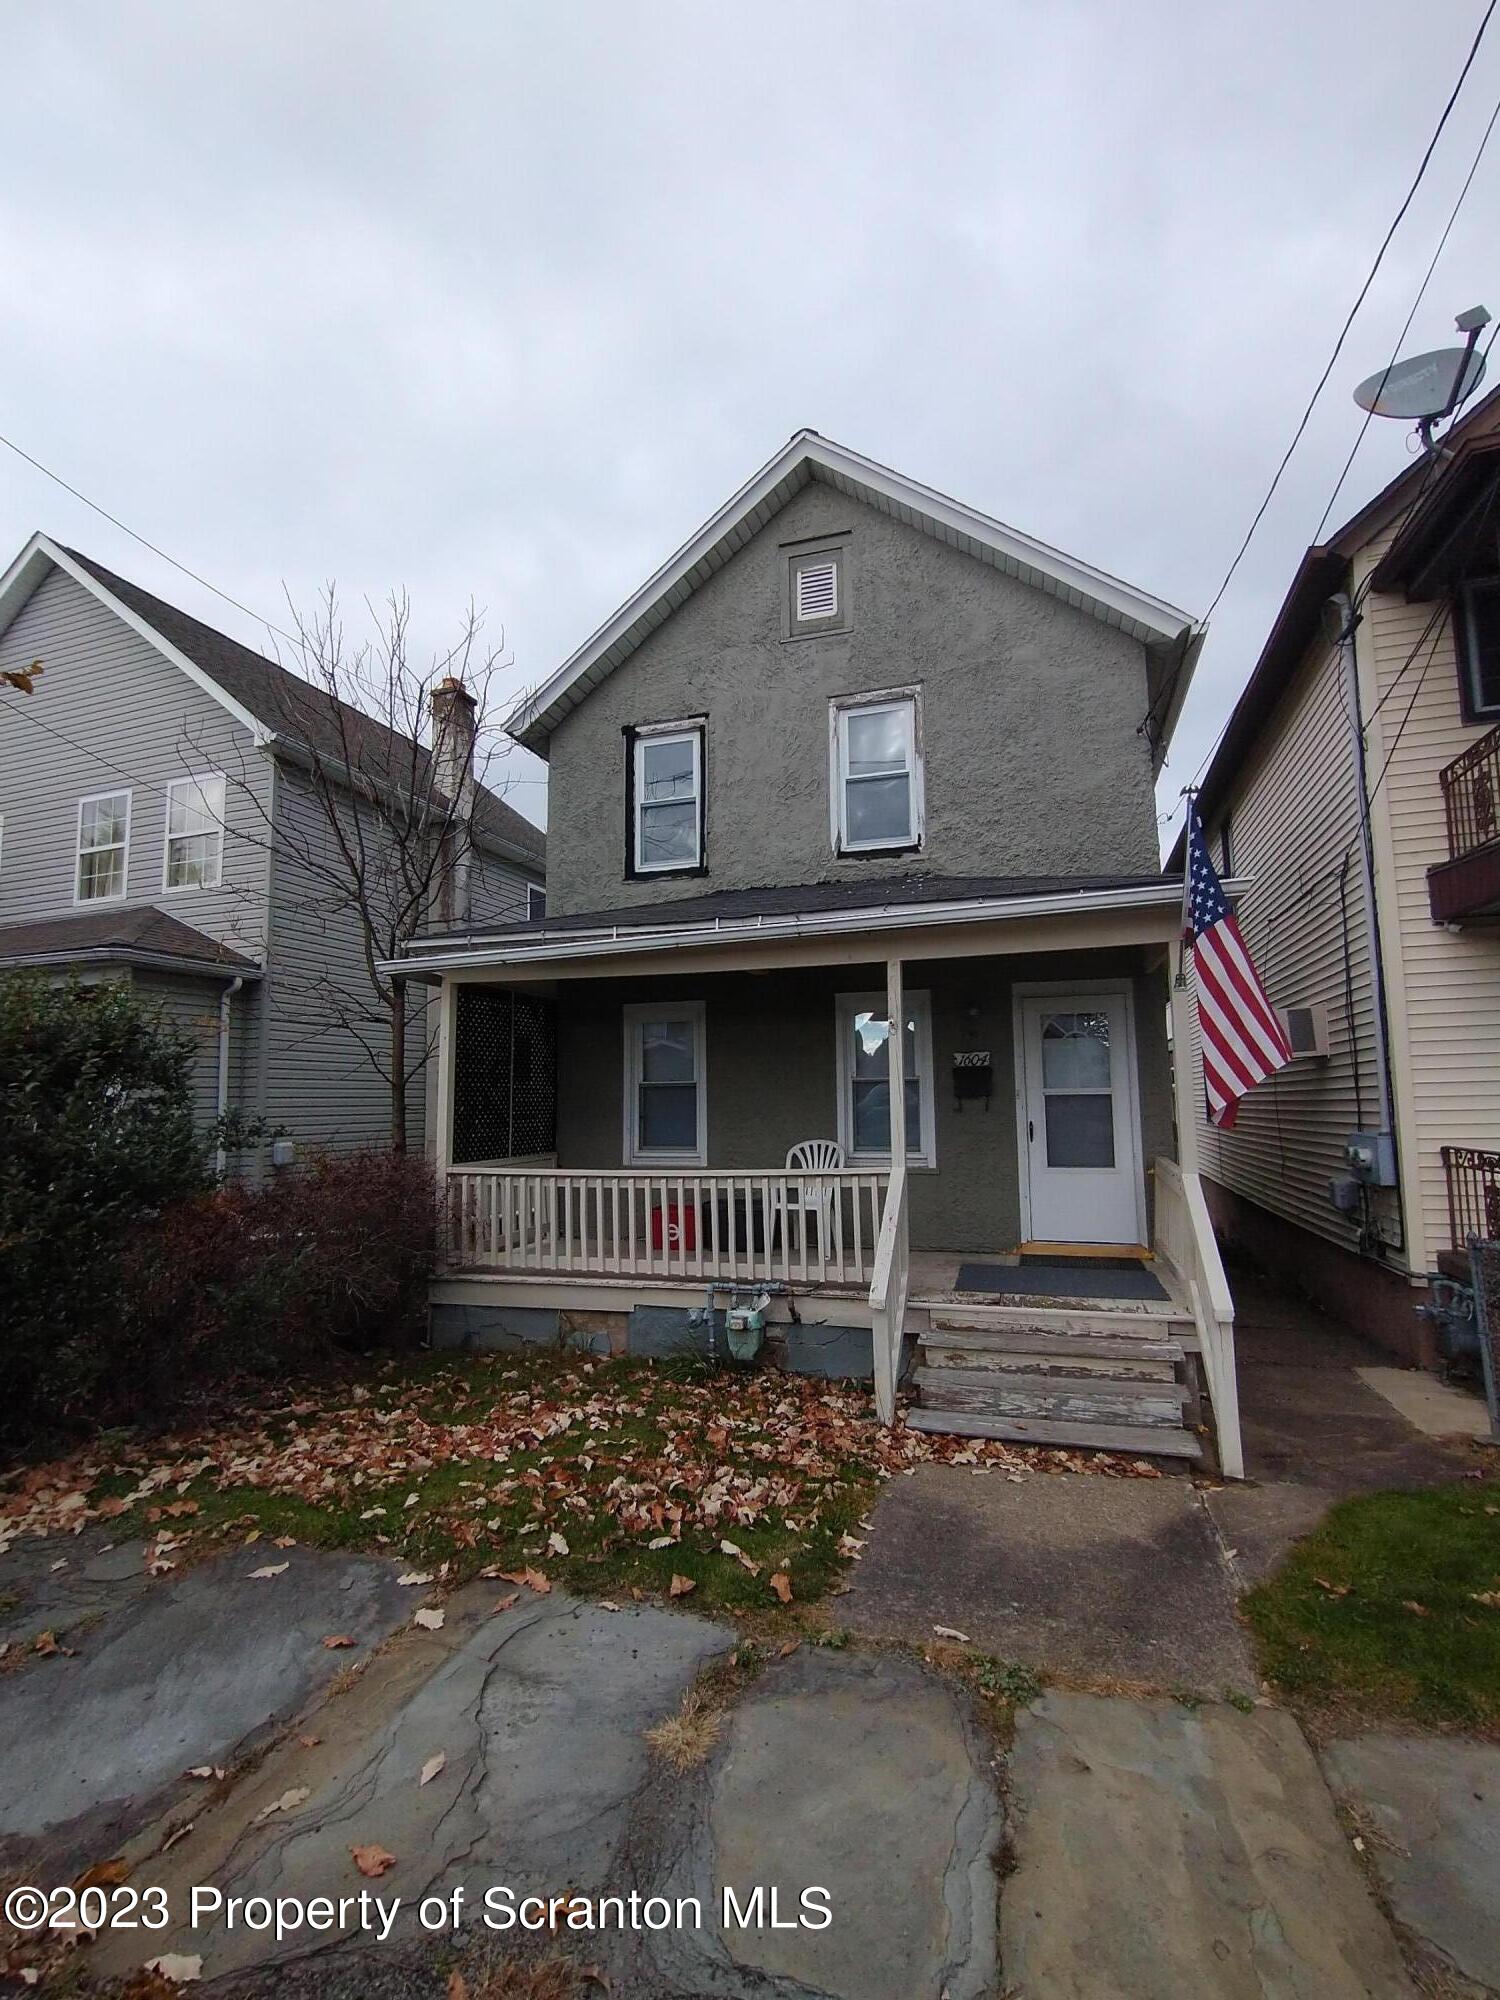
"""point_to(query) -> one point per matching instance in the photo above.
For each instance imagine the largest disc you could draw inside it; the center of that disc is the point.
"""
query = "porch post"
(1184, 1072)
(442, 1136)
(895, 1007)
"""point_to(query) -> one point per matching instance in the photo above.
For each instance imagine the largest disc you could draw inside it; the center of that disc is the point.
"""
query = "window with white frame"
(864, 1076)
(666, 1105)
(876, 774)
(667, 788)
(194, 857)
(536, 901)
(103, 842)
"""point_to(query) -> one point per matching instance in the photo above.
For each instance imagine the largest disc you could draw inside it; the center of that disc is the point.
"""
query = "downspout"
(226, 1002)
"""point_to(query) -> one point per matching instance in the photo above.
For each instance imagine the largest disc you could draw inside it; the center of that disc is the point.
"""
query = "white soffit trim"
(1151, 620)
(502, 948)
(29, 571)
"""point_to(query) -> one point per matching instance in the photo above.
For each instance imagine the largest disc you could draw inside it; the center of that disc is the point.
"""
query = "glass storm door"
(1079, 1142)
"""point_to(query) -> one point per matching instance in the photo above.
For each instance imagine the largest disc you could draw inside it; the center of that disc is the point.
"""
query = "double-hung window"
(876, 774)
(194, 857)
(667, 789)
(864, 1077)
(1478, 614)
(666, 1107)
(103, 842)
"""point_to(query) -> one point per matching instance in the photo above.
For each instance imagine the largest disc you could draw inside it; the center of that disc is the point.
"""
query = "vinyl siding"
(1445, 985)
(109, 713)
(192, 1005)
(1294, 817)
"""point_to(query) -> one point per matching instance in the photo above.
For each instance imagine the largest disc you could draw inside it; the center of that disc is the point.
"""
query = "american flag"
(1242, 1036)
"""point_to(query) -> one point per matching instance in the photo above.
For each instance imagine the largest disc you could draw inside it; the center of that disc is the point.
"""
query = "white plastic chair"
(811, 1156)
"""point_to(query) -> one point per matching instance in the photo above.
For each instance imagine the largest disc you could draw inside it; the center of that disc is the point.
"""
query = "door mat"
(1061, 1281)
(1096, 1263)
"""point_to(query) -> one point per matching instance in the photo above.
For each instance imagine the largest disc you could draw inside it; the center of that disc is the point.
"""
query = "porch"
(613, 1129)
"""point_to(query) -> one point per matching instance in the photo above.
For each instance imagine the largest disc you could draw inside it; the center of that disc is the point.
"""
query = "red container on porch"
(681, 1226)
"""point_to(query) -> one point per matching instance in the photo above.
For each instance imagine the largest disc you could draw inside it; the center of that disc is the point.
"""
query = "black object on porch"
(1083, 1280)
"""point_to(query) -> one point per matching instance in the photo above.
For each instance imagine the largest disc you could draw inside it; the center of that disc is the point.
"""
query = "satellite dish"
(1427, 386)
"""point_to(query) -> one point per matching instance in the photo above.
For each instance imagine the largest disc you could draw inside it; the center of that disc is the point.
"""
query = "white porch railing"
(734, 1227)
(888, 1289)
(1185, 1240)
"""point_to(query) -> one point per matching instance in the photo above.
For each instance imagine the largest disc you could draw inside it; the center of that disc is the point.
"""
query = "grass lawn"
(741, 1492)
(1392, 1607)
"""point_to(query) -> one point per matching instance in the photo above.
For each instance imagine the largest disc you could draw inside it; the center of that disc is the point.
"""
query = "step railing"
(1185, 1240)
(737, 1228)
(888, 1291)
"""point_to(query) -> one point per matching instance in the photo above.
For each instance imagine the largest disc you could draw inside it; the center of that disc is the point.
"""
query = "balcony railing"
(1471, 796)
(1473, 1179)
(736, 1228)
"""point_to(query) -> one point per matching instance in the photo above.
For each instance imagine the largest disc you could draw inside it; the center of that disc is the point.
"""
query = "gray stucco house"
(160, 822)
(857, 754)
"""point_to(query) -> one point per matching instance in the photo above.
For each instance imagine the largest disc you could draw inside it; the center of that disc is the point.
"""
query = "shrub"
(275, 1280)
(96, 1140)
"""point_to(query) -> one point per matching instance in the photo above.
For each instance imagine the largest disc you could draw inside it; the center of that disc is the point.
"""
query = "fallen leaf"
(1418, 1610)
(104, 1874)
(950, 1632)
(532, 1578)
(206, 1771)
(337, 1640)
(181, 1967)
(458, 1986)
(430, 1621)
(1333, 1589)
(309, 1742)
(178, 1833)
(681, 1585)
(372, 1860)
(433, 1765)
(506, 1603)
(112, 1508)
(270, 1569)
(416, 1576)
(781, 1583)
(557, 1543)
(786, 1649)
(608, 1604)
(1491, 1598)
(288, 1802)
(661, 1542)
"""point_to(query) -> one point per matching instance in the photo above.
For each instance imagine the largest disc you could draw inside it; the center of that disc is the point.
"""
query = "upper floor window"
(817, 598)
(1479, 646)
(103, 840)
(536, 901)
(876, 774)
(667, 789)
(194, 857)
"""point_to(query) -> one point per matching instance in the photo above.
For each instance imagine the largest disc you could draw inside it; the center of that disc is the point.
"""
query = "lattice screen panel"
(504, 1075)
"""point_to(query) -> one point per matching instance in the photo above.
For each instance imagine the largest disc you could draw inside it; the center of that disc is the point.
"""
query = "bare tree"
(371, 826)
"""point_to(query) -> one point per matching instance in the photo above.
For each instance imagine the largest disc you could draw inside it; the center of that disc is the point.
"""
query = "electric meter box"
(1372, 1158)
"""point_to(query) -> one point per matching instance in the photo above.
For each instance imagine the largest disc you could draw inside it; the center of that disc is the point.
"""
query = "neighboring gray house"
(856, 755)
(160, 821)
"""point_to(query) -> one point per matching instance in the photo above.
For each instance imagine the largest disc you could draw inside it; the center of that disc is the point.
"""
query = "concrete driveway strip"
(1170, 1853)
(194, 1673)
(1436, 1802)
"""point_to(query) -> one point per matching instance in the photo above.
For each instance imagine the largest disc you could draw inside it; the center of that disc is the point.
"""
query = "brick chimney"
(454, 711)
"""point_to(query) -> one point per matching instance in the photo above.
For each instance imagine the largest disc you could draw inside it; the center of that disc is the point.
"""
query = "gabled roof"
(137, 934)
(271, 702)
(1159, 626)
(1321, 572)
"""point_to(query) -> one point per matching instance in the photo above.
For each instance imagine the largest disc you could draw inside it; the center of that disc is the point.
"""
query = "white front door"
(1080, 1144)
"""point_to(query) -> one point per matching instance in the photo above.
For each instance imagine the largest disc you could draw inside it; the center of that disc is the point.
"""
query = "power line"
(1354, 309)
(1415, 304)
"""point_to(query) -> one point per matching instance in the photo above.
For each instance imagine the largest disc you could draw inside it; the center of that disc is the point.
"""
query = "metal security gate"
(504, 1075)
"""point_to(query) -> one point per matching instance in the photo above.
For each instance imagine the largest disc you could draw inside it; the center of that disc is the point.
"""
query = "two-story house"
(856, 756)
(164, 818)
(1357, 791)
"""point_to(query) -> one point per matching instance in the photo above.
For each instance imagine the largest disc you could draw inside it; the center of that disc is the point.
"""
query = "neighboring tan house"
(855, 755)
(160, 822)
(1356, 792)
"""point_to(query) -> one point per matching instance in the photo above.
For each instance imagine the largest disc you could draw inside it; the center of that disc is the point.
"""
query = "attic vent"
(817, 591)
(1306, 1029)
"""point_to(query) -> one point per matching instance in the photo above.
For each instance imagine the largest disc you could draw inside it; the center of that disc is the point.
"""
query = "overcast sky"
(502, 301)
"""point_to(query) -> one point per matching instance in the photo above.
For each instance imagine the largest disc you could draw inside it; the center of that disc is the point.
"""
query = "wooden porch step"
(1001, 1347)
(1143, 1440)
(1140, 1321)
(1085, 1398)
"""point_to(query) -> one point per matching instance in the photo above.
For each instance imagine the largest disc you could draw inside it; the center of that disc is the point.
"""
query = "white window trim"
(666, 732)
(918, 1005)
(651, 1156)
(81, 901)
(533, 890)
(909, 700)
(200, 779)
